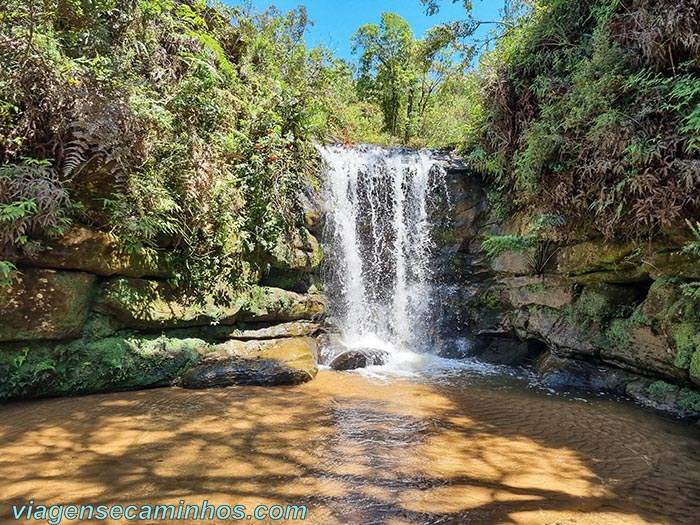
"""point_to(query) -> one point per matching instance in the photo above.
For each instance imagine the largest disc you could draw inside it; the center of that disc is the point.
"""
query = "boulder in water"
(359, 358)
(288, 361)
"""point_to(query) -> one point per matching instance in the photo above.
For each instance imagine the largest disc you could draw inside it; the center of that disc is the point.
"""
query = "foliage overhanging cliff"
(188, 124)
(172, 123)
(590, 112)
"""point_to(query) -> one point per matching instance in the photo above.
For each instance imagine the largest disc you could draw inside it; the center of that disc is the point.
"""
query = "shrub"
(174, 123)
(592, 108)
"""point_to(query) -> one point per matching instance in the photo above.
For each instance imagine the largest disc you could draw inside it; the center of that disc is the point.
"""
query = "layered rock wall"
(87, 315)
(602, 315)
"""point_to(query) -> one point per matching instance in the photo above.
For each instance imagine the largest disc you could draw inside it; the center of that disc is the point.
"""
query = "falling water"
(379, 243)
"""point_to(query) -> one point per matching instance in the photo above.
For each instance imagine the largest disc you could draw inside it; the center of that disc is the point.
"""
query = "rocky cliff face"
(602, 316)
(86, 315)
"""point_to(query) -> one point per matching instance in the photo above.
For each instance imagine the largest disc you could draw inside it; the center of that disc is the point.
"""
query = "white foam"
(379, 243)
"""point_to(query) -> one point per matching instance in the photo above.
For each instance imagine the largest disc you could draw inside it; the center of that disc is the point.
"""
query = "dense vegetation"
(410, 80)
(178, 124)
(188, 125)
(591, 113)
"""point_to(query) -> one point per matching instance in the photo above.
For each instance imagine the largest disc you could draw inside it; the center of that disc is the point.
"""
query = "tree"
(400, 72)
(464, 30)
(385, 69)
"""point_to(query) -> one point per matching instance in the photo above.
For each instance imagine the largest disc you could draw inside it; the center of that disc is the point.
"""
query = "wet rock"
(359, 358)
(330, 345)
(45, 304)
(509, 352)
(266, 363)
(462, 347)
(480, 307)
(561, 373)
(660, 395)
(468, 206)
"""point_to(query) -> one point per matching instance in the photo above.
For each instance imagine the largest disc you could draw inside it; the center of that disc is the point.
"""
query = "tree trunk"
(409, 112)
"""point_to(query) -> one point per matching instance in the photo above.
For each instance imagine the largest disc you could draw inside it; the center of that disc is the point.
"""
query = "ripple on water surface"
(454, 443)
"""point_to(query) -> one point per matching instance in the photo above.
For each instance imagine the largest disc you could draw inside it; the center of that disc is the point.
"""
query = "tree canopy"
(400, 72)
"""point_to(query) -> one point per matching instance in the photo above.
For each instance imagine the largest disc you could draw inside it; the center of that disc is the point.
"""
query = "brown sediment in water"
(357, 451)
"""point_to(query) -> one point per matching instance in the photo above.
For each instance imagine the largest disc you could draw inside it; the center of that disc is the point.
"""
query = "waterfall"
(379, 244)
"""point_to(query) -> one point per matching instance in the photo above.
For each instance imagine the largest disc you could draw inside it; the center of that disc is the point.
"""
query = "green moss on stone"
(619, 331)
(487, 299)
(689, 400)
(666, 303)
(695, 366)
(686, 399)
(660, 388)
(98, 327)
(687, 340)
(115, 363)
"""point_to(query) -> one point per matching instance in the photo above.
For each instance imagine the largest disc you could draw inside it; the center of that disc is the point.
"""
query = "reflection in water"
(455, 449)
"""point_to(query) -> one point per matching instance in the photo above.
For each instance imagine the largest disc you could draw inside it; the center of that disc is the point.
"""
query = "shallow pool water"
(449, 443)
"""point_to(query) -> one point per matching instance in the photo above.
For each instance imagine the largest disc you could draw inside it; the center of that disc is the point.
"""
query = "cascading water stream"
(379, 244)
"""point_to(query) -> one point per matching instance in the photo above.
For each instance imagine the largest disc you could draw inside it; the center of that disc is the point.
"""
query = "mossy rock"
(594, 256)
(45, 304)
(274, 331)
(266, 363)
(645, 352)
(551, 326)
(288, 280)
(599, 303)
(550, 291)
(274, 304)
(116, 363)
(665, 396)
(594, 262)
(99, 253)
(150, 305)
(312, 207)
(299, 252)
(98, 327)
(250, 331)
(672, 263)
(686, 339)
(694, 370)
(666, 304)
(153, 305)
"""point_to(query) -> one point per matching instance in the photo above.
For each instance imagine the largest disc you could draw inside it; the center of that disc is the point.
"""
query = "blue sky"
(336, 20)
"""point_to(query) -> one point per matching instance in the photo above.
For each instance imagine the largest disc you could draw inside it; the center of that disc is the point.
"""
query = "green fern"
(8, 273)
(692, 290)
